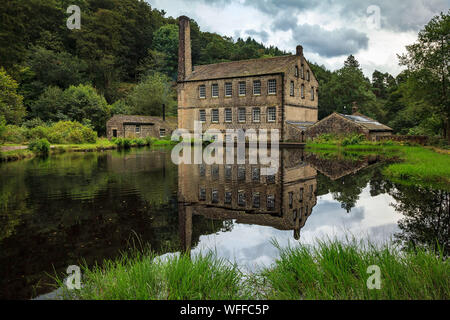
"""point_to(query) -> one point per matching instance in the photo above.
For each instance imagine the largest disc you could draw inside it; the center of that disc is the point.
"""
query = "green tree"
(11, 107)
(150, 94)
(165, 40)
(428, 63)
(83, 102)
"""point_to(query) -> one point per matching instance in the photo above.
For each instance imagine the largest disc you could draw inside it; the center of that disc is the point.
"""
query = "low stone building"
(127, 126)
(344, 124)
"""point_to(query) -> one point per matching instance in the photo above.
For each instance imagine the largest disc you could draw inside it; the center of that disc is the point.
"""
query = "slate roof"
(242, 68)
(303, 125)
(365, 121)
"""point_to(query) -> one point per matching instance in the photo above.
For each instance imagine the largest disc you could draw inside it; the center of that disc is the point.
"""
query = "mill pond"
(77, 208)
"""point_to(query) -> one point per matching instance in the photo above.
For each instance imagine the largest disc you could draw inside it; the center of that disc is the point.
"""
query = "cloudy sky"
(329, 30)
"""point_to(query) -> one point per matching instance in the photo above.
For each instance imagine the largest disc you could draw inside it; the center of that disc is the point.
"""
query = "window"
(241, 198)
(256, 87)
(228, 197)
(291, 199)
(214, 196)
(202, 194)
(138, 129)
(270, 202)
(202, 91)
(228, 115)
(302, 91)
(272, 86)
(214, 90)
(301, 195)
(256, 115)
(302, 72)
(312, 94)
(271, 114)
(308, 77)
(162, 132)
(292, 89)
(228, 89)
(215, 115)
(256, 200)
(241, 115)
(242, 88)
(202, 115)
(296, 71)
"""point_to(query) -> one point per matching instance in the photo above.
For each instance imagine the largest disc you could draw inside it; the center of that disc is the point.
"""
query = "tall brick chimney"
(184, 49)
(299, 51)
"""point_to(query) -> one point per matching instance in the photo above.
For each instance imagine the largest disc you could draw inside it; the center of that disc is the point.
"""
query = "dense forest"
(123, 60)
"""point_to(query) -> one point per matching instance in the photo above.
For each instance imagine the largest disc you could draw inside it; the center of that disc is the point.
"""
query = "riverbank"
(414, 165)
(332, 270)
(19, 152)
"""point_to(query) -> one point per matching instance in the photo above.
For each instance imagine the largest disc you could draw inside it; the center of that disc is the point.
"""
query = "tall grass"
(144, 276)
(333, 270)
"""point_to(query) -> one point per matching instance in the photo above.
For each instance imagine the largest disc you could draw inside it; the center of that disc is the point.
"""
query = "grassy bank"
(330, 271)
(417, 165)
(101, 144)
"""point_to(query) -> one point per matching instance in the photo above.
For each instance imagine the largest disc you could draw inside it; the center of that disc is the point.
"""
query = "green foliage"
(66, 132)
(353, 139)
(338, 270)
(11, 107)
(2, 127)
(77, 103)
(41, 146)
(150, 94)
(122, 143)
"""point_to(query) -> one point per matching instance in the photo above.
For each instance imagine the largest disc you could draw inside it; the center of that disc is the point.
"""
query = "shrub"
(71, 132)
(38, 132)
(353, 139)
(14, 134)
(123, 143)
(41, 146)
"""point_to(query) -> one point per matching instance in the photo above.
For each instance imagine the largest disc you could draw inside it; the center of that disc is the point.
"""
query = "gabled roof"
(366, 122)
(242, 68)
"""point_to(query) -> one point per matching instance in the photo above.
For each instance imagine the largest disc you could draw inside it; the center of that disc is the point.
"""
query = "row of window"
(302, 91)
(162, 131)
(256, 173)
(242, 88)
(302, 73)
(241, 198)
(241, 117)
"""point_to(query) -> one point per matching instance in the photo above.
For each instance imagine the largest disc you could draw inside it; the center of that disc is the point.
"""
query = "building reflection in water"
(240, 192)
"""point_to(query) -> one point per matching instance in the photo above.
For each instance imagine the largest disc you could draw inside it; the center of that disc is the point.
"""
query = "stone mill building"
(267, 93)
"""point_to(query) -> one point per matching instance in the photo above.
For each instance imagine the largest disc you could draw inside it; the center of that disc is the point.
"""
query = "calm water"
(76, 207)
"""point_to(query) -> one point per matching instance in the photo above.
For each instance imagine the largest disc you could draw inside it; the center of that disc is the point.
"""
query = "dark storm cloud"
(327, 43)
(263, 35)
(404, 15)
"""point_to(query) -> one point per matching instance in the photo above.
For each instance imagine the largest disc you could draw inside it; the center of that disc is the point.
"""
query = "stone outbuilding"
(343, 124)
(128, 126)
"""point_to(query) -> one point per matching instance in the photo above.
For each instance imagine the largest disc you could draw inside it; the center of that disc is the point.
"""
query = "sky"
(374, 31)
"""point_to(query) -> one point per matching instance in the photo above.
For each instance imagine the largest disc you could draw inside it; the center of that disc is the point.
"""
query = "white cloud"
(329, 31)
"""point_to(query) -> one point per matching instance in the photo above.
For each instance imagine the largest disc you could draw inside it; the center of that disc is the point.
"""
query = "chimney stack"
(184, 49)
(299, 51)
(164, 112)
(354, 107)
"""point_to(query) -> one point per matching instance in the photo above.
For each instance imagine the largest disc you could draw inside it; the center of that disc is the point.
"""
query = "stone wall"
(337, 125)
(125, 125)
(404, 138)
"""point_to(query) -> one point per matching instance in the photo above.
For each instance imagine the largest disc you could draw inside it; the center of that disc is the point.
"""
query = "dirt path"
(11, 148)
